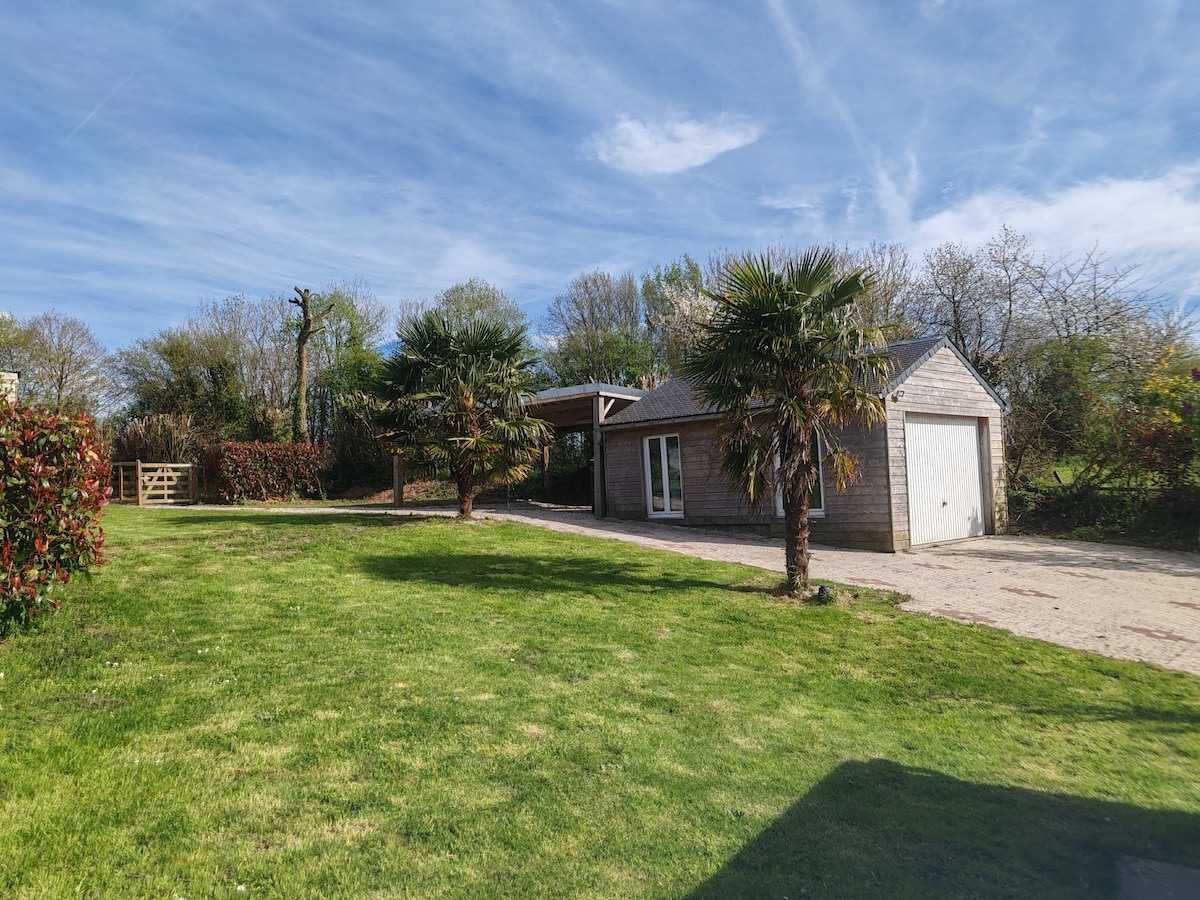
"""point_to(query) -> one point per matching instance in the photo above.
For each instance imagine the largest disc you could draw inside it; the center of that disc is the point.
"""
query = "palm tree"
(454, 400)
(785, 360)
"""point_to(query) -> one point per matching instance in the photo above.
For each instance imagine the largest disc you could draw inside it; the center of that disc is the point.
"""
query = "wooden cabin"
(933, 472)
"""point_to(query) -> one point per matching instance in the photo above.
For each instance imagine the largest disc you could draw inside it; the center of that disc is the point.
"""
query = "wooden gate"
(150, 484)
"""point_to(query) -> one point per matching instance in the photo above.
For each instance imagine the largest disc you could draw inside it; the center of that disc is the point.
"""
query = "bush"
(256, 471)
(1148, 516)
(159, 438)
(54, 474)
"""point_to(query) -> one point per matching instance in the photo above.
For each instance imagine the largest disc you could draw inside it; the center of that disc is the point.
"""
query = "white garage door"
(945, 483)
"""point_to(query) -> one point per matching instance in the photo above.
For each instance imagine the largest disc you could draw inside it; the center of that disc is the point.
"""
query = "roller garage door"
(945, 482)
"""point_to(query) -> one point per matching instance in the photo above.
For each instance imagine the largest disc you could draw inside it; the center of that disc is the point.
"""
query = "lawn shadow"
(290, 518)
(535, 573)
(881, 829)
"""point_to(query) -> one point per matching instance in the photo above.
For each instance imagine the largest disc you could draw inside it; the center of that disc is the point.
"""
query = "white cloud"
(1153, 223)
(785, 200)
(645, 148)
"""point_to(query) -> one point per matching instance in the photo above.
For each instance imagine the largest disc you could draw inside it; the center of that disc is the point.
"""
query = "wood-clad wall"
(861, 516)
(872, 514)
(857, 518)
(944, 386)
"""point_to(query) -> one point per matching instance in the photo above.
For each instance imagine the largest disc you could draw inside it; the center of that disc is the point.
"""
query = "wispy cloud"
(822, 95)
(667, 148)
(1152, 222)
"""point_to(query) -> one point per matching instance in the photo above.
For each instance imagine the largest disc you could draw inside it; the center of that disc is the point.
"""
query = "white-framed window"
(816, 500)
(664, 477)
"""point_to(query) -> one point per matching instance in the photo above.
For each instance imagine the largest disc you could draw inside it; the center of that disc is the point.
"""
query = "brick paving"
(1123, 602)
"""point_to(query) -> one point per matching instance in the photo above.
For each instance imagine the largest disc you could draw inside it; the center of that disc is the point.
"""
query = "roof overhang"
(582, 405)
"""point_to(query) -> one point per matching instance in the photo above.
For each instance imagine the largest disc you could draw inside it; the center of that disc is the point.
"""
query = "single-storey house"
(934, 471)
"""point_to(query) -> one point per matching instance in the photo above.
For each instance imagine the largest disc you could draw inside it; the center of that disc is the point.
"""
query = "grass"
(244, 703)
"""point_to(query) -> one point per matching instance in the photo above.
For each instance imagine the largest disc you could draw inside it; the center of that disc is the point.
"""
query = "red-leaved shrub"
(257, 471)
(54, 479)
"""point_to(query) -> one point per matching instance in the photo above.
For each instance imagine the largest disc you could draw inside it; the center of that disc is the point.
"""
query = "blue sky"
(155, 154)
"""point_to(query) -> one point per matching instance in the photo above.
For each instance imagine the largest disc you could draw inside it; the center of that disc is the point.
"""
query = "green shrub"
(54, 473)
(158, 438)
(257, 471)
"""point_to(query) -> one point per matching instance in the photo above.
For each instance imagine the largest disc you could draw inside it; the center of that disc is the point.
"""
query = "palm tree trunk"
(795, 518)
(466, 495)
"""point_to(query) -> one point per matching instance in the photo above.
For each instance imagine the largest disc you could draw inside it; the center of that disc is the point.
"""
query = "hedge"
(258, 471)
(54, 480)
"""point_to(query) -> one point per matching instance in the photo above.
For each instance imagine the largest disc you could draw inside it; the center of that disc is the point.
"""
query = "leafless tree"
(307, 327)
(64, 365)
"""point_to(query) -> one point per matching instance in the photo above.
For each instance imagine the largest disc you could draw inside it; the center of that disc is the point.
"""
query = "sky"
(156, 155)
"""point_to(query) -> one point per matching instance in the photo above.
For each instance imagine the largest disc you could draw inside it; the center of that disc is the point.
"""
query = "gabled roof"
(677, 399)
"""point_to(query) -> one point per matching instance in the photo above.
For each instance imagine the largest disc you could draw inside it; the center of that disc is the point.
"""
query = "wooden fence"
(148, 484)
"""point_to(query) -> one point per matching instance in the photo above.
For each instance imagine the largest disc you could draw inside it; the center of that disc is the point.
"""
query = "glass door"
(664, 476)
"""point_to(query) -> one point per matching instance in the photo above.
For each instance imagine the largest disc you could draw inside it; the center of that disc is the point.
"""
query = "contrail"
(132, 72)
(812, 76)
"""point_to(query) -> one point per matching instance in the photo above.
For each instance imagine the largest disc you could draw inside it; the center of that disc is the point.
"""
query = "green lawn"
(244, 703)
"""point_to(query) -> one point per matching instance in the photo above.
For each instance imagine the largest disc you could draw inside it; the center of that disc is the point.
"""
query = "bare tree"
(308, 326)
(64, 365)
(887, 302)
(599, 331)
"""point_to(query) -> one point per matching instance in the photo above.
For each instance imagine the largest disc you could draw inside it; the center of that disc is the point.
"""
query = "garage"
(945, 481)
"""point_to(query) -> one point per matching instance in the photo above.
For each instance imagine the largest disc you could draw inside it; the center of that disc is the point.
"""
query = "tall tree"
(886, 305)
(454, 402)
(343, 361)
(476, 299)
(674, 306)
(599, 331)
(307, 326)
(186, 372)
(785, 360)
(65, 367)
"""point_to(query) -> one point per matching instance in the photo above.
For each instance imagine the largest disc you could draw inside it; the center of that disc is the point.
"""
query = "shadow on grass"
(534, 573)
(881, 829)
(287, 518)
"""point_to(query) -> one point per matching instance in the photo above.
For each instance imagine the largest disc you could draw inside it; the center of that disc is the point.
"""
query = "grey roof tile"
(677, 399)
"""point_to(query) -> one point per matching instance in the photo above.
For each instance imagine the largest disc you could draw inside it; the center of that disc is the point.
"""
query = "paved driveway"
(1123, 602)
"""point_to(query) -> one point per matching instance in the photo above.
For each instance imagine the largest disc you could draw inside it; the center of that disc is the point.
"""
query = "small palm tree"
(455, 399)
(785, 361)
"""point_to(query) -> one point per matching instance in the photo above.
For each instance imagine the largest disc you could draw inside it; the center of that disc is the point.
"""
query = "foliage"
(599, 333)
(189, 372)
(360, 705)
(63, 367)
(345, 358)
(1139, 515)
(160, 438)
(230, 367)
(476, 300)
(454, 404)
(258, 471)
(679, 327)
(568, 479)
(675, 309)
(54, 476)
(784, 359)
(359, 455)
